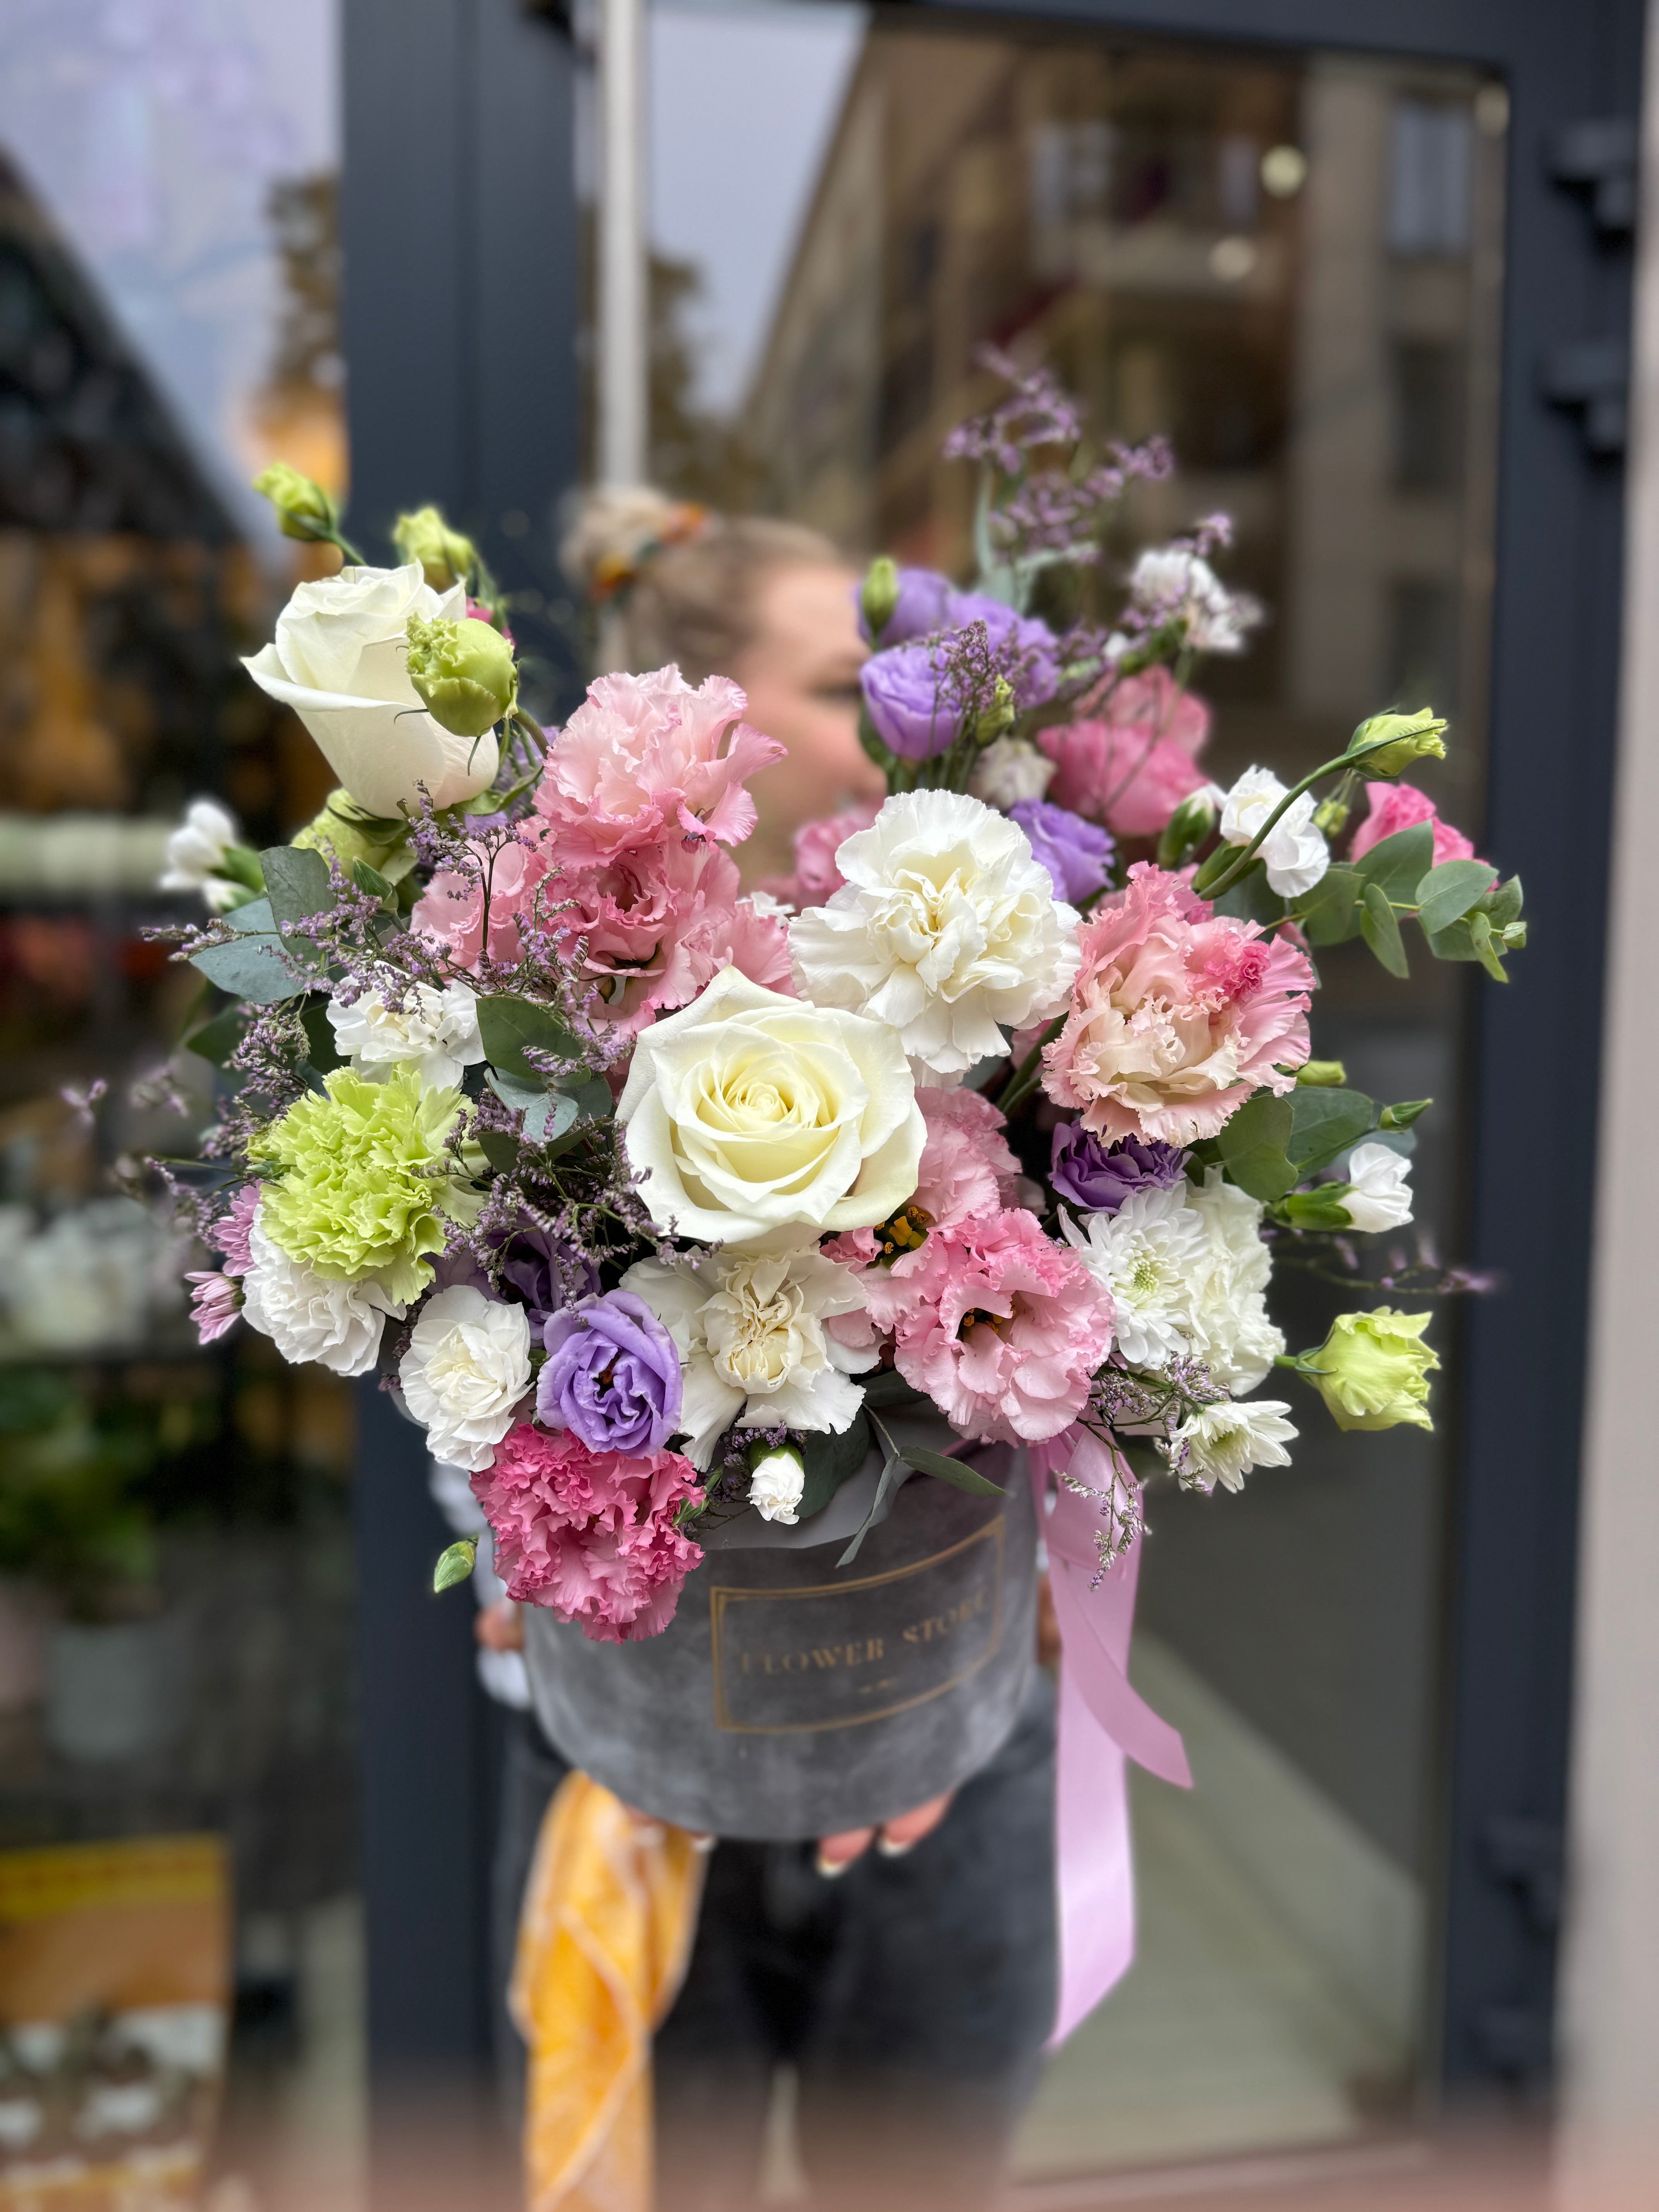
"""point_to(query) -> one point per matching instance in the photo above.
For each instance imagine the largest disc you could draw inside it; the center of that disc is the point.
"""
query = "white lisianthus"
(1227, 1287)
(1294, 852)
(434, 1031)
(466, 1368)
(1011, 769)
(753, 1347)
(196, 855)
(339, 659)
(777, 1485)
(750, 1116)
(945, 927)
(1145, 1256)
(1225, 1442)
(313, 1317)
(1379, 1193)
(1171, 580)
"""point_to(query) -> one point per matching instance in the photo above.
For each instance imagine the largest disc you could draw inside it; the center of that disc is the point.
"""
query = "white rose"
(1011, 769)
(196, 853)
(752, 1344)
(338, 660)
(1225, 1442)
(1293, 852)
(1143, 1256)
(750, 1114)
(777, 1485)
(435, 1031)
(313, 1318)
(1228, 1286)
(945, 927)
(465, 1369)
(1380, 1192)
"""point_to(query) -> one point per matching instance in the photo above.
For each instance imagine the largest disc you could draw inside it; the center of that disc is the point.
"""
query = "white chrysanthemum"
(945, 927)
(434, 1031)
(1227, 1313)
(777, 1485)
(1145, 1256)
(1225, 1442)
(1172, 579)
(1294, 852)
(466, 1368)
(1380, 1194)
(312, 1317)
(752, 1343)
(196, 853)
(1011, 769)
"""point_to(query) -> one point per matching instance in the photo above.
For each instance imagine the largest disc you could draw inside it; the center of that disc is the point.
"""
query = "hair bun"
(618, 530)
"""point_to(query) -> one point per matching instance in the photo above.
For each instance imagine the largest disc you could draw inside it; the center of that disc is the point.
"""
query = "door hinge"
(1527, 1853)
(1593, 374)
(1602, 156)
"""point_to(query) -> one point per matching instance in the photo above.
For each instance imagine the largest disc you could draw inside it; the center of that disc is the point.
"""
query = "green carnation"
(364, 1182)
(1372, 1370)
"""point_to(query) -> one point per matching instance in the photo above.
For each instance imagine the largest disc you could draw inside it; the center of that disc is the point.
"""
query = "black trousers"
(912, 1994)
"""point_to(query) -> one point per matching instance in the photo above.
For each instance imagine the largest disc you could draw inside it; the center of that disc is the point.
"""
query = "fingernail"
(832, 1869)
(702, 1842)
(892, 1848)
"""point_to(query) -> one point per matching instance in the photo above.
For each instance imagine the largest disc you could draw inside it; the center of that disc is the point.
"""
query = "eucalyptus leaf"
(217, 1040)
(522, 1094)
(887, 1387)
(370, 880)
(500, 1149)
(1330, 912)
(1380, 929)
(895, 1473)
(1325, 1123)
(296, 884)
(1446, 893)
(831, 1461)
(256, 968)
(254, 919)
(1252, 898)
(1502, 905)
(951, 1471)
(508, 1024)
(552, 1114)
(1455, 942)
(1252, 1146)
(593, 1098)
(321, 1049)
(1486, 950)
(1397, 864)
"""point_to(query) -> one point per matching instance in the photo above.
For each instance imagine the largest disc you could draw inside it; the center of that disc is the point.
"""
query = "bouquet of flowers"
(659, 1205)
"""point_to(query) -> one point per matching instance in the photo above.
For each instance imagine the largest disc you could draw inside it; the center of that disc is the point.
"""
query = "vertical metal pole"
(624, 392)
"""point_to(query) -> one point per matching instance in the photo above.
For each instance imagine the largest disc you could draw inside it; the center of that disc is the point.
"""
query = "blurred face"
(802, 673)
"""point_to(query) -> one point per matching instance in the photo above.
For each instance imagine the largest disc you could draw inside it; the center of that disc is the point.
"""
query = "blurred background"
(1341, 256)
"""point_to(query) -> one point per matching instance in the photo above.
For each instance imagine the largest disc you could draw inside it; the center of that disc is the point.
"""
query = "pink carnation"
(646, 758)
(816, 879)
(1132, 768)
(589, 1535)
(1000, 1328)
(966, 1166)
(1177, 1015)
(1402, 806)
(215, 1301)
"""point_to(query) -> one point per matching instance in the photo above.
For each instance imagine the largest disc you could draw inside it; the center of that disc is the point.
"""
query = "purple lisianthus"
(1026, 649)
(919, 608)
(1077, 854)
(546, 1273)
(912, 697)
(1098, 1177)
(612, 1376)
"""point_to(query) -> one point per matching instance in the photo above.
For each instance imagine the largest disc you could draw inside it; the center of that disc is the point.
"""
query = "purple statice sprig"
(1038, 411)
(1058, 514)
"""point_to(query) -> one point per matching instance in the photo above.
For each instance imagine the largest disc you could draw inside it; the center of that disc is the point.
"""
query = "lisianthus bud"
(447, 557)
(1372, 1370)
(304, 509)
(1186, 830)
(1331, 818)
(1415, 737)
(998, 718)
(1321, 1075)
(1402, 1115)
(879, 595)
(463, 672)
(777, 1481)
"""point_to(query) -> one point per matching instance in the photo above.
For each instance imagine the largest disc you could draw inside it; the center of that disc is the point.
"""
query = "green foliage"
(296, 884)
(1381, 929)
(1447, 893)
(1325, 1123)
(1254, 1145)
(508, 1024)
(829, 1461)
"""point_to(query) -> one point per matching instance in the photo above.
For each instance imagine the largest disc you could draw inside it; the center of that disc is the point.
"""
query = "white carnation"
(1225, 1442)
(1011, 769)
(750, 1334)
(466, 1368)
(1294, 852)
(945, 927)
(435, 1030)
(196, 855)
(313, 1318)
(777, 1485)
(1228, 1320)
(1380, 1193)
(1145, 1256)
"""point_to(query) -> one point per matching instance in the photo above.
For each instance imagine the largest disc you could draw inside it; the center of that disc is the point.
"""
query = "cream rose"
(748, 1113)
(338, 660)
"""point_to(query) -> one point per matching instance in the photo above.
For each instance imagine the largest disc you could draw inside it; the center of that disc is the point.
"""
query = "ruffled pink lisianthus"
(1001, 1328)
(1402, 806)
(589, 1535)
(966, 1166)
(1132, 767)
(817, 878)
(1177, 1015)
(646, 758)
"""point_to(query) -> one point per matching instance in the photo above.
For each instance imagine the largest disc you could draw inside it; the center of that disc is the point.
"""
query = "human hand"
(498, 1626)
(892, 1839)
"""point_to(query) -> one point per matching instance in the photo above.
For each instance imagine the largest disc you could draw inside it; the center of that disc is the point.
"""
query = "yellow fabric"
(607, 1929)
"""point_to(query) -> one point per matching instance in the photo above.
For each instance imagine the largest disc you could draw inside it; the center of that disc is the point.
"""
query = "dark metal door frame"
(460, 240)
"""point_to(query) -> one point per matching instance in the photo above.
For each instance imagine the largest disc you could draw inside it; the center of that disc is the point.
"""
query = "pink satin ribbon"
(1103, 1723)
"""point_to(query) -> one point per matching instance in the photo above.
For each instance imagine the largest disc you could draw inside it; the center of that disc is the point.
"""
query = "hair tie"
(615, 573)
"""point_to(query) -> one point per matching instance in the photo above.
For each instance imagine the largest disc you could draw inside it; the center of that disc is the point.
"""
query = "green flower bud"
(1186, 830)
(463, 672)
(342, 832)
(1372, 1370)
(998, 718)
(445, 555)
(1402, 1117)
(879, 596)
(1331, 818)
(1514, 936)
(1321, 1207)
(304, 509)
(1415, 737)
(1322, 1074)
